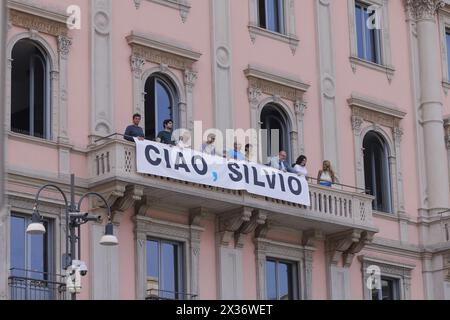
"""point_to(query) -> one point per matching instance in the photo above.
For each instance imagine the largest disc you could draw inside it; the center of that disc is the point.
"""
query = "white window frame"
(301, 256)
(394, 270)
(187, 236)
(49, 209)
(181, 276)
(386, 56)
(290, 30)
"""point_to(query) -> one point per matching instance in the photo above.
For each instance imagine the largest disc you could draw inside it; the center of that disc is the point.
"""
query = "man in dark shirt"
(134, 130)
(165, 136)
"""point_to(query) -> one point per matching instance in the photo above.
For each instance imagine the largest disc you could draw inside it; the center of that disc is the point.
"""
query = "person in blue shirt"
(236, 153)
(134, 131)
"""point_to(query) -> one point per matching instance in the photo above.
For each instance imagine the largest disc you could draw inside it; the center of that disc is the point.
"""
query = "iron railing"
(155, 294)
(34, 285)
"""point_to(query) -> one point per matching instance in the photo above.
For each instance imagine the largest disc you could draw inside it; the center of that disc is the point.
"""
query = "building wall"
(31, 161)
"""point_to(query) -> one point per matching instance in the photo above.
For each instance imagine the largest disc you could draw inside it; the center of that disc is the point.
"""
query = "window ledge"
(39, 141)
(385, 215)
(292, 40)
(388, 70)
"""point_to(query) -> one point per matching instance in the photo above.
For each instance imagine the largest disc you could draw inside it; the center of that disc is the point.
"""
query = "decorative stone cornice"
(423, 9)
(346, 244)
(36, 22)
(162, 52)
(374, 111)
(231, 221)
(258, 219)
(263, 81)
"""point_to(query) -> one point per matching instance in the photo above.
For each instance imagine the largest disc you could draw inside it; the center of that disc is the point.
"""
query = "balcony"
(32, 285)
(112, 168)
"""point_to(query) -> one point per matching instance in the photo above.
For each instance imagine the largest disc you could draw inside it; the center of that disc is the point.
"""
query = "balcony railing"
(33, 285)
(114, 159)
(155, 294)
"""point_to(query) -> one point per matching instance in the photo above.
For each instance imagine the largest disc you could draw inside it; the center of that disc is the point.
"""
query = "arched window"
(160, 104)
(275, 138)
(377, 172)
(30, 90)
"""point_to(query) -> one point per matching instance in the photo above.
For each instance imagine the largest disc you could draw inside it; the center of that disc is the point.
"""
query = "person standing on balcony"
(208, 147)
(300, 167)
(165, 136)
(134, 131)
(279, 162)
(326, 176)
(236, 153)
(248, 152)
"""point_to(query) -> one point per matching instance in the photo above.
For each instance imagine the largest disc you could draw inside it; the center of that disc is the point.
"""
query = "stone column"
(3, 213)
(424, 12)
(330, 137)
(222, 66)
(102, 102)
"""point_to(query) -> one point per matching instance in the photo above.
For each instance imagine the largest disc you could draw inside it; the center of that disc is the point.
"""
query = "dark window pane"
(39, 96)
(159, 106)
(18, 254)
(447, 38)
(38, 246)
(164, 104)
(285, 281)
(152, 259)
(271, 280)
(262, 13)
(359, 31)
(169, 270)
(377, 172)
(29, 90)
(277, 138)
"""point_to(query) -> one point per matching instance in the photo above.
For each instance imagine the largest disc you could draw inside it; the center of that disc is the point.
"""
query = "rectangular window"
(32, 264)
(281, 280)
(447, 41)
(164, 270)
(390, 290)
(368, 38)
(271, 15)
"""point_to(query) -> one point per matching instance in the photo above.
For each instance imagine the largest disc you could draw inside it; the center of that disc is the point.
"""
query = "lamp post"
(74, 219)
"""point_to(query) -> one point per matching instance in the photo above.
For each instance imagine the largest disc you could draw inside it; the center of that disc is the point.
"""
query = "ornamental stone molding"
(161, 52)
(343, 246)
(188, 235)
(301, 256)
(273, 84)
(370, 114)
(400, 271)
(423, 9)
(36, 17)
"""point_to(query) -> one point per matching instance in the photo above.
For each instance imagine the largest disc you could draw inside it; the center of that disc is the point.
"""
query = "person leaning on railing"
(134, 130)
(326, 176)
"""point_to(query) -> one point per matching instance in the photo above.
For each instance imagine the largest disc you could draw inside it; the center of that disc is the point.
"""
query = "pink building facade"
(372, 100)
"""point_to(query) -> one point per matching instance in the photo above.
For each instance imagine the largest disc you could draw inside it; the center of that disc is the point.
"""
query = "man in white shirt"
(279, 162)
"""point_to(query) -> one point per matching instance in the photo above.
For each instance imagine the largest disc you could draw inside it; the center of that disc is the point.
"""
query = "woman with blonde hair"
(326, 176)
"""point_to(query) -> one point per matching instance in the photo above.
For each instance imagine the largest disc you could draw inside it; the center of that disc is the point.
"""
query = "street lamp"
(74, 219)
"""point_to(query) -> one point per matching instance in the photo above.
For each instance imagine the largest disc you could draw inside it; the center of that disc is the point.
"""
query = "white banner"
(189, 165)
